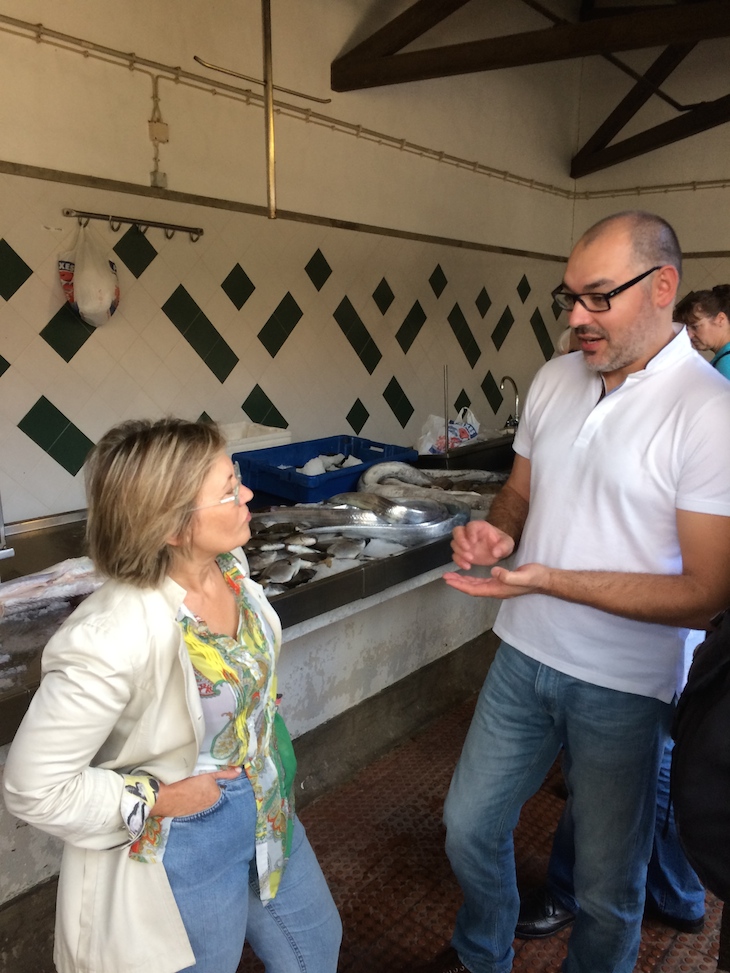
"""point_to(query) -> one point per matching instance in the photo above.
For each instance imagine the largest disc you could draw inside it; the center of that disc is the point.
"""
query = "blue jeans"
(671, 882)
(209, 860)
(613, 742)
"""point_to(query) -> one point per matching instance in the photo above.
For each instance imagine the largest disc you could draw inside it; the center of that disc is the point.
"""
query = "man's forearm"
(662, 599)
(509, 512)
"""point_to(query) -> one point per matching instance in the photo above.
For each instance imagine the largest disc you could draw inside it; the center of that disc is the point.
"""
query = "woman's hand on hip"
(192, 794)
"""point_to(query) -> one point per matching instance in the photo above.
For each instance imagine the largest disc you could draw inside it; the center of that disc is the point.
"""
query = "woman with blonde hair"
(706, 315)
(154, 747)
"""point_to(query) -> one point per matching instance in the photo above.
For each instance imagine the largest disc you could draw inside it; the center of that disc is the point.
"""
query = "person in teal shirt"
(706, 315)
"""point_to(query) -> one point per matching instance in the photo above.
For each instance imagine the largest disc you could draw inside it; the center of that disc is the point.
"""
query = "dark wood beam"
(405, 28)
(676, 25)
(634, 100)
(699, 119)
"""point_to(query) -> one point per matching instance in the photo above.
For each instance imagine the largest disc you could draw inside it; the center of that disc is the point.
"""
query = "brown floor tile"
(380, 841)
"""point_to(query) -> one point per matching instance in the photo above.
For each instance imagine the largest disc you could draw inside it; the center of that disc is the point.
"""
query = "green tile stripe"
(462, 401)
(4, 365)
(398, 401)
(503, 328)
(66, 333)
(14, 271)
(200, 334)
(280, 325)
(492, 392)
(49, 428)
(464, 336)
(357, 334)
(523, 288)
(542, 335)
(408, 331)
(483, 302)
(259, 408)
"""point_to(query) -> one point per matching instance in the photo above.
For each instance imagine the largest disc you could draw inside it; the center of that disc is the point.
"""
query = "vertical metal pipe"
(269, 110)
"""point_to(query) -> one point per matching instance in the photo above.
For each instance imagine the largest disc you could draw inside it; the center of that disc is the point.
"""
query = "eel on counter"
(475, 488)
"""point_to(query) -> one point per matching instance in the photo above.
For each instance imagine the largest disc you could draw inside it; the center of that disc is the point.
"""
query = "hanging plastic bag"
(89, 278)
(462, 430)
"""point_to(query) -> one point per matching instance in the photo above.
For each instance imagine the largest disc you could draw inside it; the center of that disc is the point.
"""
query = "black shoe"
(541, 916)
(446, 962)
(691, 926)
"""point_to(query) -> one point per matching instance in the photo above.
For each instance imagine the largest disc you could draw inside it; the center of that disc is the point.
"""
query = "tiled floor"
(380, 841)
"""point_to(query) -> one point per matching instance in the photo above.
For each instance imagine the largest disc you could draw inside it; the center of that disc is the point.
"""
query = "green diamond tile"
(238, 286)
(398, 401)
(318, 270)
(408, 331)
(464, 336)
(14, 271)
(463, 401)
(491, 391)
(383, 296)
(56, 435)
(200, 333)
(4, 365)
(438, 281)
(503, 328)
(259, 408)
(221, 360)
(280, 325)
(66, 333)
(204, 417)
(135, 251)
(483, 302)
(541, 333)
(357, 417)
(357, 334)
(523, 289)
(556, 309)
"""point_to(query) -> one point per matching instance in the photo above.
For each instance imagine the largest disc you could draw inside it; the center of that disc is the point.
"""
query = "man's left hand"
(527, 579)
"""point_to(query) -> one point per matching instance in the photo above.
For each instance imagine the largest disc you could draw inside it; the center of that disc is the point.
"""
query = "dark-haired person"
(618, 511)
(153, 746)
(706, 315)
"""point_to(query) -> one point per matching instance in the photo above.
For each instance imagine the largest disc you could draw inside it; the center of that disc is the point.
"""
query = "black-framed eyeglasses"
(594, 302)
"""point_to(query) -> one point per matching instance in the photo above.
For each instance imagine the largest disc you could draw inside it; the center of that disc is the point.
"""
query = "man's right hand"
(480, 542)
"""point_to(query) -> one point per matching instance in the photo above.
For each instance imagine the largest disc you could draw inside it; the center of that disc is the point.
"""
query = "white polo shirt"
(607, 475)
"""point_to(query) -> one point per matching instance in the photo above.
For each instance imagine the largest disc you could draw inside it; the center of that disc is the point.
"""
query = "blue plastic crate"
(260, 468)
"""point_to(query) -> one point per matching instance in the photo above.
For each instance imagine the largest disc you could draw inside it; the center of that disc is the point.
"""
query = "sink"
(492, 451)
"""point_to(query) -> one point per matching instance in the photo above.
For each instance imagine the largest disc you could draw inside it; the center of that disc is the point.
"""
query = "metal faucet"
(514, 419)
(4, 551)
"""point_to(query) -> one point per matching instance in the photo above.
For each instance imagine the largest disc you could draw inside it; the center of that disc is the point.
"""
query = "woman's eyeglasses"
(234, 496)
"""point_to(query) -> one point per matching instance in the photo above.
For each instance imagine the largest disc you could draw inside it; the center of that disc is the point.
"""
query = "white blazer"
(117, 695)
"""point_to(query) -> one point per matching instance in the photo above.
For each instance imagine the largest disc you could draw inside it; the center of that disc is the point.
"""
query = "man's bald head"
(653, 241)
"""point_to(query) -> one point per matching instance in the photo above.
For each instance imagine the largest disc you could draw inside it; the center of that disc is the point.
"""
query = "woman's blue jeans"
(613, 742)
(208, 860)
(671, 882)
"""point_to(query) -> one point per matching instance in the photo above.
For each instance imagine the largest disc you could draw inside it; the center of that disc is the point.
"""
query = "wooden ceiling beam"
(659, 71)
(405, 28)
(681, 24)
(700, 119)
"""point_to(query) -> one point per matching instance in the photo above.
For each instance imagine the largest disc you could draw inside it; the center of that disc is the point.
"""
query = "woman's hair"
(700, 304)
(142, 479)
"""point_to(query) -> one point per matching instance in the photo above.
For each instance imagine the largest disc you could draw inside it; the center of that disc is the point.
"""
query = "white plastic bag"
(462, 430)
(89, 278)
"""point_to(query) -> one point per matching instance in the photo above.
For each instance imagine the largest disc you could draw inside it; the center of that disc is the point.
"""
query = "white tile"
(142, 406)
(162, 335)
(136, 306)
(163, 387)
(116, 336)
(36, 302)
(97, 415)
(92, 363)
(15, 332)
(45, 369)
(159, 281)
(140, 361)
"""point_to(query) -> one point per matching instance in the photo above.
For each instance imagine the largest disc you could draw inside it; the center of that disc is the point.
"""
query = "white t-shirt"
(607, 476)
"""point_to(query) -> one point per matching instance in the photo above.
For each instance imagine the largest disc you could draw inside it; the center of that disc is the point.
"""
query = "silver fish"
(348, 547)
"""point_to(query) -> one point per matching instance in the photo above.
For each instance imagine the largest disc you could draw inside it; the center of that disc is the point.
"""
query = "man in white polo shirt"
(618, 506)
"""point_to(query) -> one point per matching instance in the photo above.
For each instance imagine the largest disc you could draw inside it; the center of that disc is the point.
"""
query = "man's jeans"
(671, 882)
(613, 743)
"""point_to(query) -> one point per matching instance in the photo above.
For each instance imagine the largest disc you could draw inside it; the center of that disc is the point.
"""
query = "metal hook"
(169, 234)
(142, 227)
(194, 237)
(83, 222)
(115, 225)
